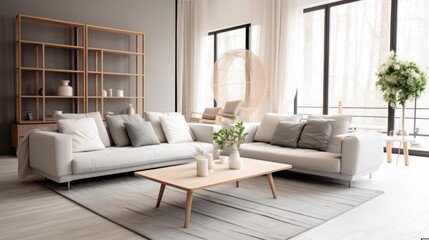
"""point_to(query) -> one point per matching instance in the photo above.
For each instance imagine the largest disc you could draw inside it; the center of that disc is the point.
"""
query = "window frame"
(215, 41)
(326, 52)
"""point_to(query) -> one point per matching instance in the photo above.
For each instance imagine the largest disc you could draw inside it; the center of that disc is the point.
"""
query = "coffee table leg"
(273, 187)
(161, 192)
(188, 208)
(237, 184)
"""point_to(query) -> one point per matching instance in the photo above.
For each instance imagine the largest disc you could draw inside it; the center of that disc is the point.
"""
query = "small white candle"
(110, 93)
(202, 166)
(104, 93)
(209, 157)
(223, 159)
(119, 93)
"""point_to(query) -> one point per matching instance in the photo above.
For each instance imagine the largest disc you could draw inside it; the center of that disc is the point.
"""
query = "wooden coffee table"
(185, 177)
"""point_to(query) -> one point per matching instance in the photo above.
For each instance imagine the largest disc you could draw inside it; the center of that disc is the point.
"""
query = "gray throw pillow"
(316, 135)
(287, 134)
(141, 134)
(117, 130)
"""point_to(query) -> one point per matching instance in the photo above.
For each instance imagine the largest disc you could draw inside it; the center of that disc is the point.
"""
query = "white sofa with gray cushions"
(336, 154)
(53, 154)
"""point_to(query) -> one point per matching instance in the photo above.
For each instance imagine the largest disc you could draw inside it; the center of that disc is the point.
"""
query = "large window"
(359, 41)
(356, 36)
(224, 40)
(228, 39)
(413, 45)
(310, 96)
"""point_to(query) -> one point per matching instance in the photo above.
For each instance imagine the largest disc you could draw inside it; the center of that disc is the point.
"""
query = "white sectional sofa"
(348, 157)
(51, 156)
(359, 154)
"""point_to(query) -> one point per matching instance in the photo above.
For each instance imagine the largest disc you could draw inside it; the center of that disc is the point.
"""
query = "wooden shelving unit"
(39, 70)
(93, 58)
(100, 75)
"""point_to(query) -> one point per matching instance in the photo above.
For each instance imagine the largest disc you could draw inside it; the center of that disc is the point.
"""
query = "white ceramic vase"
(235, 161)
(65, 89)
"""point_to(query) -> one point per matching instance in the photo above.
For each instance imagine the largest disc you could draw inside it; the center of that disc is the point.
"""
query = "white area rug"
(220, 212)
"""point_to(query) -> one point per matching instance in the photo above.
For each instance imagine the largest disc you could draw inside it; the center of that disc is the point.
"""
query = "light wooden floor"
(30, 211)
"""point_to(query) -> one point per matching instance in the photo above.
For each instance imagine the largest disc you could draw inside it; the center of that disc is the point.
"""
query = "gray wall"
(156, 18)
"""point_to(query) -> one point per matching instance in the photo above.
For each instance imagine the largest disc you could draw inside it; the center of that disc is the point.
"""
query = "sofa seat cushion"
(299, 158)
(122, 157)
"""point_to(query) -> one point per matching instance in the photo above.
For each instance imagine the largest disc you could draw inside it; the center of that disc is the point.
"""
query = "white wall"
(228, 13)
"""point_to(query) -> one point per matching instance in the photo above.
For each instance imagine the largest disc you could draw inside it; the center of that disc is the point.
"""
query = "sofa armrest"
(204, 132)
(361, 152)
(51, 153)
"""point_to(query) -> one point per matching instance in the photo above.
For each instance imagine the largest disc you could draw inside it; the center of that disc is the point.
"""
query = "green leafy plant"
(400, 81)
(230, 136)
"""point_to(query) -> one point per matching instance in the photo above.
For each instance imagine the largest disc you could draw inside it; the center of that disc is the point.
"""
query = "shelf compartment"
(106, 50)
(54, 45)
(51, 70)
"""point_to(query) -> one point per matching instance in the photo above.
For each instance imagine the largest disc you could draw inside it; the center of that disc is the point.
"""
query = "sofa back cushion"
(117, 130)
(101, 128)
(269, 123)
(287, 134)
(316, 135)
(339, 127)
(141, 134)
(155, 119)
(84, 134)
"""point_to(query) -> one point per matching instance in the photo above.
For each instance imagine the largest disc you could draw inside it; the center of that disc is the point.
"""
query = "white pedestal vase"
(65, 89)
(235, 161)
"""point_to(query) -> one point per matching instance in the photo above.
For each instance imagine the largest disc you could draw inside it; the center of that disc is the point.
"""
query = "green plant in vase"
(231, 137)
(400, 81)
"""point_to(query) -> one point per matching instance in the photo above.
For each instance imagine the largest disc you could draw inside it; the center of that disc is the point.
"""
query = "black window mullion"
(326, 62)
(393, 35)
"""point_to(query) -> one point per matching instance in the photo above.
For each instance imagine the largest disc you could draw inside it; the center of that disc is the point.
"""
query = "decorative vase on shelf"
(235, 161)
(130, 109)
(65, 89)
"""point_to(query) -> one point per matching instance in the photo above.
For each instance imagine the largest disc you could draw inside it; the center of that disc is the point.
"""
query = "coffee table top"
(185, 176)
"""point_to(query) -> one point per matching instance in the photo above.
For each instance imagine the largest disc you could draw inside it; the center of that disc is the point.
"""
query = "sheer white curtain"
(274, 39)
(194, 91)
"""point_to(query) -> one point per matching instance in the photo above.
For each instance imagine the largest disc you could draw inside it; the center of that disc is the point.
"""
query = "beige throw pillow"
(269, 124)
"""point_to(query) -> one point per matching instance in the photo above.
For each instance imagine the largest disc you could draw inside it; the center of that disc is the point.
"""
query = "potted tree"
(231, 137)
(400, 81)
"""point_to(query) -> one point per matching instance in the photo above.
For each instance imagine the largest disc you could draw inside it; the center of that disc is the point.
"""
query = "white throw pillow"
(155, 119)
(101, 128)
(269, 124)
(176, 129)
(84, 134)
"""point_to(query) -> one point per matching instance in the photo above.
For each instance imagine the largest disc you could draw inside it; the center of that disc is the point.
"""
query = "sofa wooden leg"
(68, 185)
